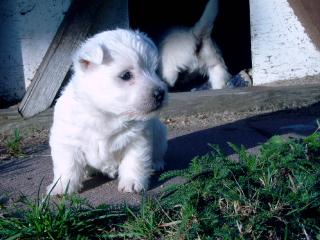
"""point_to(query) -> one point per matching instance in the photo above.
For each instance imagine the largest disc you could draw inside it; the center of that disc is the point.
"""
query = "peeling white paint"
(281, 49)
(27, 29)
(37, 31)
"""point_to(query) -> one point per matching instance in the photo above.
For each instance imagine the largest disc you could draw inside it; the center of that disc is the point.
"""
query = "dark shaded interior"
(231, 31)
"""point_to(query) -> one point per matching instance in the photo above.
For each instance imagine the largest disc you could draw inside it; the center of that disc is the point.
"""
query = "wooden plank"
(53, 69)
(242, 102)
(252, 100)
(83, 18)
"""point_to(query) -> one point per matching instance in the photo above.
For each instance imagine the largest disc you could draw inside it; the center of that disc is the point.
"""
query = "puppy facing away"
(106, 118)
(193, 50)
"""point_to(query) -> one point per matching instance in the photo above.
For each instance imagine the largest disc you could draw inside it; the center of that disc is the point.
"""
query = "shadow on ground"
(250, 132)
(23, 176)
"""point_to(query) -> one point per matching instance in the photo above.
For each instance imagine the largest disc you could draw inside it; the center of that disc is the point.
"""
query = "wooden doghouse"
(277, 38)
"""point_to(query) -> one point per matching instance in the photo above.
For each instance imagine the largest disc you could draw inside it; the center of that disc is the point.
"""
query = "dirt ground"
(263, 112)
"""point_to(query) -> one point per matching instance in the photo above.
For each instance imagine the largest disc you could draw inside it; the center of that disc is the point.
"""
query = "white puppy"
(193, 50)
(106, 118)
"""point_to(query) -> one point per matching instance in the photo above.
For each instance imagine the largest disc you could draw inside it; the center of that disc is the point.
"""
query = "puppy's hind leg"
(218, 76)
(169, 75)
(68, 169)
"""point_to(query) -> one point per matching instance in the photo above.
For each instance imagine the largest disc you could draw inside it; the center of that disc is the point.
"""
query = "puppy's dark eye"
(126, 76)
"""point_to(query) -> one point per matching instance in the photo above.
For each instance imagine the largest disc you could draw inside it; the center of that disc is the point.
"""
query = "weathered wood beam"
(84, 17)
(246, 101)
(56, 63)
(242, 100)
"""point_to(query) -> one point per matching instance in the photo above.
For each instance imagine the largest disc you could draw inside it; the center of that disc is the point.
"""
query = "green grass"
(272, 195)
(13, 144)
(67, 218)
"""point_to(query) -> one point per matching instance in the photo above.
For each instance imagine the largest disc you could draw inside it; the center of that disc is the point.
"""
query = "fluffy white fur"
(193, 50)
(107, 123)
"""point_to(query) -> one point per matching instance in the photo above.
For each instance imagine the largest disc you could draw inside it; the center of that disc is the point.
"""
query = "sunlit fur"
(106, 123)
(193, 50)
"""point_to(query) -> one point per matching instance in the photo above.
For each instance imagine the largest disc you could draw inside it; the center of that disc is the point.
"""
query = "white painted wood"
(27, 29)
(281, 49)
(83, 18)
(37, 31)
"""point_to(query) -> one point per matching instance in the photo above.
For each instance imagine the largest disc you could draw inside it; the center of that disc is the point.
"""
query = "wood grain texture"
(57, 61)
(251, 100)
(246, 101)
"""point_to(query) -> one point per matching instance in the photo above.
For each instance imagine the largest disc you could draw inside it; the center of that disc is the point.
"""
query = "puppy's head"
(116, 72)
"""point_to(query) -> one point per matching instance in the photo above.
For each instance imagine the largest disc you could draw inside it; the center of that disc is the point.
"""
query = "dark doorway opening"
(231, 31)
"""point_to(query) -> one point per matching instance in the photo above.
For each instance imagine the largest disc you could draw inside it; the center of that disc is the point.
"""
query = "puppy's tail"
(205, 24)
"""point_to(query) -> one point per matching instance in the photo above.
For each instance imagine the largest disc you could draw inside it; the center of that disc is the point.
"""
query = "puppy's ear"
(91, 55)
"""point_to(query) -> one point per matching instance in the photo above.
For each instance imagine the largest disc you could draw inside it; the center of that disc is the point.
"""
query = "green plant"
(69, 217)
(274, 194)
(13, 144)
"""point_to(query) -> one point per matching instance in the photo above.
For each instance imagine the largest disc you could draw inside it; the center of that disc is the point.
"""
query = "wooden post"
(84, 17)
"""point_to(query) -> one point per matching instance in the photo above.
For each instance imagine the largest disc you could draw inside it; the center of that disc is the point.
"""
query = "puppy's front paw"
(61, 187)
(55, 189)
(131, 185)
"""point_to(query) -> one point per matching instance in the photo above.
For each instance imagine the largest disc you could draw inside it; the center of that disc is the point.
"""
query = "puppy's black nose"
(158, 95)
